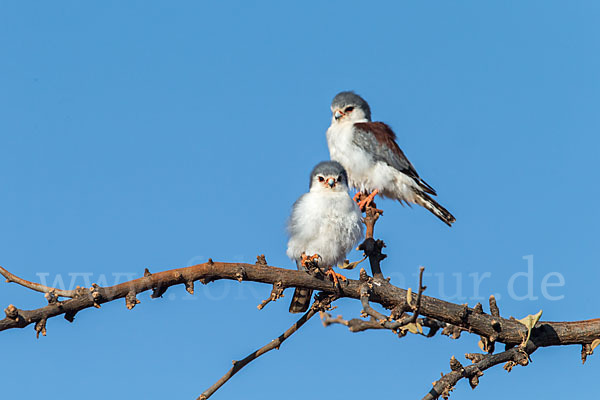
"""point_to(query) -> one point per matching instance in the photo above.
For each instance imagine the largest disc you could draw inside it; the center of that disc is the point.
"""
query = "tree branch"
(320, 304)
(390, 296)
(514, 356)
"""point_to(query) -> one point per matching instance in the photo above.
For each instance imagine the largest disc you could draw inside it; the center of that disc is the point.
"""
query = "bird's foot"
(367, 201)
(305, 260)
(335, 277)
(357, 197)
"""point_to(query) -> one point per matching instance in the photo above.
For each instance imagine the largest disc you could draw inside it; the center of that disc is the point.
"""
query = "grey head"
(345, 101)
(330, 174)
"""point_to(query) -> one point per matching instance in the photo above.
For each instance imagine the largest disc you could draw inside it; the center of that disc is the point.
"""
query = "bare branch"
(36, 286)
(318, 305)
(514, 356)
(512, 332)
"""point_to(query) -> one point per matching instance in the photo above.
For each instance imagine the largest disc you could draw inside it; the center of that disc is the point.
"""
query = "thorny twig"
(514, 356)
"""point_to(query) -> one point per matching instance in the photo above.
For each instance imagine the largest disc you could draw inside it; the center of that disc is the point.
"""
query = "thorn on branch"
(455, 365)
(474, 357)
(40, 327)
(494, 310)
(131, 300)
(474, 379)
(189, 286)
(261, 260)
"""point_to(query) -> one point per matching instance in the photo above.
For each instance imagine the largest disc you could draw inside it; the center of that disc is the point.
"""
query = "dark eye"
(340, 178)
(349, 109)
(321, 179)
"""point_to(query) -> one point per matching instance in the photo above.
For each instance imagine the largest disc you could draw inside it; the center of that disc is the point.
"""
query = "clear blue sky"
(157, 134)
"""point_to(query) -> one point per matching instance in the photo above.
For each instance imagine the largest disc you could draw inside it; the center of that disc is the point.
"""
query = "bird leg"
(314, 259)
(357, 197)
(335, 277)
(364, 203)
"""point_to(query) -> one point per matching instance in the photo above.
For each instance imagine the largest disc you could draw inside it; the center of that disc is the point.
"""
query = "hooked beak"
(338, 114)
(331, 182)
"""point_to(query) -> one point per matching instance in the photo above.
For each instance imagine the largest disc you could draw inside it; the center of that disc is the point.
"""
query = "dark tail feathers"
(300, 300)
(423, 199)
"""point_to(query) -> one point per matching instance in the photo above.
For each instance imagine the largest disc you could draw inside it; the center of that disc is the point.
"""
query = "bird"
(325, 224)
(373, 160)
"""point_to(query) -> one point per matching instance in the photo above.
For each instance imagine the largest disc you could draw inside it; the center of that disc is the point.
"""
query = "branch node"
(240, 274)
(131, 300)
(478, 309)
(40, 327)
(96, 295)
(452, 331)
(261, 260)
(12, 312)
(51, 296)
(147, 273)
(189, 286)
(276, 293)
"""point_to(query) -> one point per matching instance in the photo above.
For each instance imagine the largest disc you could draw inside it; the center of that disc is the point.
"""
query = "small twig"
(36, 286)
(481, 362)
(276, 293)
(417, 306)
(317, 306)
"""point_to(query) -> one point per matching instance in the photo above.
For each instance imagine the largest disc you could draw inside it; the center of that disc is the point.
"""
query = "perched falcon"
(374, 162)
(324, 226)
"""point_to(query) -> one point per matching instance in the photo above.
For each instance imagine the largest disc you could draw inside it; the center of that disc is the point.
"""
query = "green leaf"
(530, 321)
(350, 265)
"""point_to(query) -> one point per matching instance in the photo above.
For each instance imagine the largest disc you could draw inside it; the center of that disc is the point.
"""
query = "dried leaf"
(412, 328)
(419, 328)
(481, 345)
(595, 344)
(409, 297)
(530, 321)
(351, 265)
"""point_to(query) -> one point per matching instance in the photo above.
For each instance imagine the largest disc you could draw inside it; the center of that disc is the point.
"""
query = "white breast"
(325, 224)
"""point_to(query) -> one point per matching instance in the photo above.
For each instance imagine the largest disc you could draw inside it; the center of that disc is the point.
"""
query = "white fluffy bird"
(374, 162)
(325, 224)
